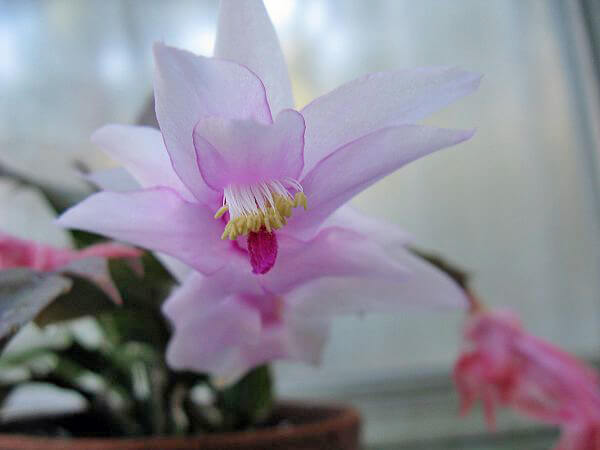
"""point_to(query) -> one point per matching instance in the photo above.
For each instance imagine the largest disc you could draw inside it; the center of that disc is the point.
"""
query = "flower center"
(265, 204)
(262, 248)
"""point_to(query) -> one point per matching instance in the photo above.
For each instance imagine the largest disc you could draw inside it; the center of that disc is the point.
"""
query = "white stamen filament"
(265, 204)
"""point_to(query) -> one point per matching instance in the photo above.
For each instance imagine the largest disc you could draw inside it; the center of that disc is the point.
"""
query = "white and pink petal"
(188, 87)
(357, 165)
(246, 152)
(214, 338)
(157, 219)
(380, 100)
(142, 152)
(227, 335)
(378, 230)
(246, 35)
(334, 252)
(199, 290)
(422, 285)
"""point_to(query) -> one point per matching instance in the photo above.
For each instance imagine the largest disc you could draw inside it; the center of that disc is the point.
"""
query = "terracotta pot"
(310, 427)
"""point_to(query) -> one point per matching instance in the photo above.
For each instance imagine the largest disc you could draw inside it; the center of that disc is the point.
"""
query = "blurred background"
(518, 206)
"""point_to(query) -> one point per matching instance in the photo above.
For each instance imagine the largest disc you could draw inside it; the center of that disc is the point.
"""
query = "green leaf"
(148, 291)
(139, 294)
(84, 299)
(458, 274)
(247, 402)
(23, 294)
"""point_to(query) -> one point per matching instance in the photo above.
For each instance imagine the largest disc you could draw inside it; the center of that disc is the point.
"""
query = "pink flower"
(229, 321)
(250, 193)
(580, 436)
(504, 365)
(87, 263)
(239, 159)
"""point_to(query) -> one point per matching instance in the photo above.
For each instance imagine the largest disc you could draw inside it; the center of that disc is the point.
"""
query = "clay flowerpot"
(302, 426)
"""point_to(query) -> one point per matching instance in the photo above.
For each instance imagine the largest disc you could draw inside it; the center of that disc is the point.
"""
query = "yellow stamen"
(222, 210)
(273, 217)
(300, 199)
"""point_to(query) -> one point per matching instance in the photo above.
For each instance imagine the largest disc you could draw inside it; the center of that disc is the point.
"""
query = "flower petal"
(227, 339)
(158, 219)
(117, 179)
(213, 339)
(505, 365)
(333, 252)
(581, 435)
(141, 150)
(421, 285)
(204, 312)
(16, 252)
(198, 289)
(188, 87)
(109, 250)
(307, 337)
(380, 231)
(246, 35)
(380, 100)
(357, 165)
(245, 151)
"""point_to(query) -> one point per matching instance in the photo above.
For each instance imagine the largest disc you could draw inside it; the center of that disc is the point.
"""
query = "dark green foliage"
(247, 402)
(136, 393)
(23, 294)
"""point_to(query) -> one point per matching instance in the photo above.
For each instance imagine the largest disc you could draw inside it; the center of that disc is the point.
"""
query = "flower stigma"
(267, 204)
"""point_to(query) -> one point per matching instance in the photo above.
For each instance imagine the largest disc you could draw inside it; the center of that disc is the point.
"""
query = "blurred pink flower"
(250, 193)
(505, 366)
(580, 436)
(87, 263)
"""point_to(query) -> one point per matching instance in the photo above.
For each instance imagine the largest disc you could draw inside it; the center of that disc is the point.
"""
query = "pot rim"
(337, 416)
